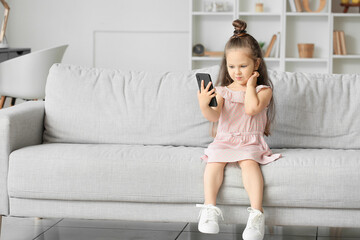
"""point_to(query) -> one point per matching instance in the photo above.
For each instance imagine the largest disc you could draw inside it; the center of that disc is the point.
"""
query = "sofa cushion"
(316, 110)
(106, 172)
(92, 105)
(313, 178)
(166, 174)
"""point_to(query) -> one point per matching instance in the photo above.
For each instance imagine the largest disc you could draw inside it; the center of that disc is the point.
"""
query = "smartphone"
(206, 77)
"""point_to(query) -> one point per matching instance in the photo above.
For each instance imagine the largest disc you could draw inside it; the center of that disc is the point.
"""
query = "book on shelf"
(342, 43)
(298, 5)
(292, 5)
(335, 43)
(273, 49)
(277, 46)
(270, 46)
(213, 54)
(339, 44)
(337, 49)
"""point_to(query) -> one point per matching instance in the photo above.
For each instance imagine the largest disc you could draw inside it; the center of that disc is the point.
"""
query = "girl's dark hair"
(241, 39)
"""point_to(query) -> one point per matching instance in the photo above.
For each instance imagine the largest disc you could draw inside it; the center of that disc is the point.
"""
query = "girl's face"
(239, 65)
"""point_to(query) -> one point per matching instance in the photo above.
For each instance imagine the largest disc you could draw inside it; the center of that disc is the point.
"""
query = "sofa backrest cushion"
(93, 105)
(316, 110)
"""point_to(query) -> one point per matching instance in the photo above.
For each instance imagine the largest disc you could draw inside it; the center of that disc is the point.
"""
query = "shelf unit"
(349, 23)
(213, 29)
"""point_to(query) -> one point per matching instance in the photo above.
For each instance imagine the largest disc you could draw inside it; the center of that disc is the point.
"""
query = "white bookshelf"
(347, 56)
(350, 24)
(212, 14)
(213, 29)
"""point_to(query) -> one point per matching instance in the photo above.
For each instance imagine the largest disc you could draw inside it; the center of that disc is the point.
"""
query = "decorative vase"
(306, 50)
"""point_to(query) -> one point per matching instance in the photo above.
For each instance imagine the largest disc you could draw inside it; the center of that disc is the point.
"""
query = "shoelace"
(255, 220)
(209, 209)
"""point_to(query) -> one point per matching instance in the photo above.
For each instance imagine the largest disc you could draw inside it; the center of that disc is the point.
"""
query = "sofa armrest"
(20, 126)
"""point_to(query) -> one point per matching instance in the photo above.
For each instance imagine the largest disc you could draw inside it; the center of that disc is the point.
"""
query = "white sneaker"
(255, 226)
(208, 222)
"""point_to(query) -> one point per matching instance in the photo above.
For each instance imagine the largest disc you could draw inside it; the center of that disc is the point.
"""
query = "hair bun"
(239, 26)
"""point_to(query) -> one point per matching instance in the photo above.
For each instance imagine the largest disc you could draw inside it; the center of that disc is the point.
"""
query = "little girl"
(245, 110)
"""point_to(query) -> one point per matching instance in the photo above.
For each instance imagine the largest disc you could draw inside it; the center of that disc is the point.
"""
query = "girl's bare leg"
(213, 178)
(253, 182)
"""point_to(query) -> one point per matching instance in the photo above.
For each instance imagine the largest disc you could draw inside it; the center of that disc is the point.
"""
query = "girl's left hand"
(253, 79)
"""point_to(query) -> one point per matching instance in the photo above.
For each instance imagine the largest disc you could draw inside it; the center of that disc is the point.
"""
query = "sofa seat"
(105, 172)
(314, 178)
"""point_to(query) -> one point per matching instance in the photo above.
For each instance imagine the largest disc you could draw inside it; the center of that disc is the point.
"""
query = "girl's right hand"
(205, 96)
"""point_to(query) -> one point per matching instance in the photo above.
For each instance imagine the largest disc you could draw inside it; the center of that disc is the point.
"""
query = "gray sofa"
(109, 144)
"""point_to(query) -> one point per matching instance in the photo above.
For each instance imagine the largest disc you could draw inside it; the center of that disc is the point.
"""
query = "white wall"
(126, 34)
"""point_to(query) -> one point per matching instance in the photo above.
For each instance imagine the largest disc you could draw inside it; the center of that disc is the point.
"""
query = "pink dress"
(239, 136)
